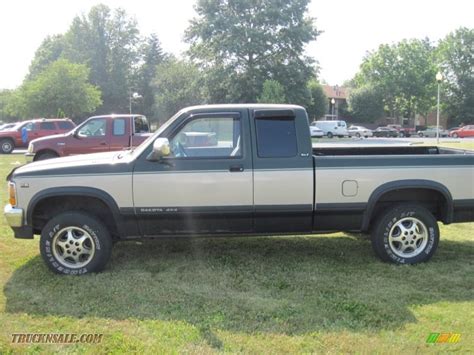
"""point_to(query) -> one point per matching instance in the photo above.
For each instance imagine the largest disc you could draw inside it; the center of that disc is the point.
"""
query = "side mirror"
(161, 148)
(75, 133)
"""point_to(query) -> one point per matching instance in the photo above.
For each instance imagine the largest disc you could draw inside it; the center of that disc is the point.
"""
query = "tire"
(455, 135)
(46, 155)
(63, 251)
(401, 135)
(7, 146)
(330, 135)
(420, 134)
(405, 234)
(358, 135)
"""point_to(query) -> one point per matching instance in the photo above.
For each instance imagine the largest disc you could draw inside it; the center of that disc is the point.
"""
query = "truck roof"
(243, 106)
(113, 115)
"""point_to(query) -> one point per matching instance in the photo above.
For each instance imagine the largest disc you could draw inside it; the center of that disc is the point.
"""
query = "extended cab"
(96, 134)
(239, 170)
(22, 133)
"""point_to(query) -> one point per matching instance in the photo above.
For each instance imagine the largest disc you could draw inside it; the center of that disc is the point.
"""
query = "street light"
(439, 79)
(333, 102)
(134, 96)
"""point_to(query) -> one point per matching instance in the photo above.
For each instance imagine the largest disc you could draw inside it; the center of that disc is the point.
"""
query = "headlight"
(12, 193)
(31, 148)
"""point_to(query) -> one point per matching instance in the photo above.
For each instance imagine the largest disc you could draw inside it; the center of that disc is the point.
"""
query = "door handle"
(236, 168)
(103, 143)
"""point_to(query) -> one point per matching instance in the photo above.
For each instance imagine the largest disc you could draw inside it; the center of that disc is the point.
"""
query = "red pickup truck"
(96, 134)
(22, 133)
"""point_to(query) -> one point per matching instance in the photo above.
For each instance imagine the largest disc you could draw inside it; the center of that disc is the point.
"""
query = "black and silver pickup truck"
(233, 170)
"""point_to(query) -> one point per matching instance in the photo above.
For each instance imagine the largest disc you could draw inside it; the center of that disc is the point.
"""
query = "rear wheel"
(405, 234)
(7, 145)
(75, 243)
(330, 135)
(402, 135)
(455, 135)
(420, 134)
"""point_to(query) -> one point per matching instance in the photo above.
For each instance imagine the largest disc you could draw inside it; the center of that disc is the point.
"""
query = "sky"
(350, 28)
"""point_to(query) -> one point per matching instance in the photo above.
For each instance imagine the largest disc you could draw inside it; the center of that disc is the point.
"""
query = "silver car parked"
(359, 131)
(431, 132)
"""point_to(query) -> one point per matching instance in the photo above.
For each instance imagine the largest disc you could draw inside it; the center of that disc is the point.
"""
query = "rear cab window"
(276, 137)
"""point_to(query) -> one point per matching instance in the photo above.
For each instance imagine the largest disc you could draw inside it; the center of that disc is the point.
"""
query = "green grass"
(309, 294)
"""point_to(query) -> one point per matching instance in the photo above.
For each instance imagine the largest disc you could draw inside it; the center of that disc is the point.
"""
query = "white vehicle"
(315, 131)
(333, 128)
(359, 131)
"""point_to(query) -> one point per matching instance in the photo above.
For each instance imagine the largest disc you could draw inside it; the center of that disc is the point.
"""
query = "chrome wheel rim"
(408, 237)
(73, 247)
(6, 147)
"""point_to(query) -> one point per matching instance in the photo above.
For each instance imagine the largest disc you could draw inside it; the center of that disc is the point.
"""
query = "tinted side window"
(119, 127)
(65, 125)
(276, 137)
(48, 126)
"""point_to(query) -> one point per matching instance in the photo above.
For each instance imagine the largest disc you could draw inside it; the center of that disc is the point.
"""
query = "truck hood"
(84, 164)
(54, 137)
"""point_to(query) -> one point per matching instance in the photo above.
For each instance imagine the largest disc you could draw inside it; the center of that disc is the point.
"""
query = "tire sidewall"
(98, 232)
(380, 238)
(10, 143)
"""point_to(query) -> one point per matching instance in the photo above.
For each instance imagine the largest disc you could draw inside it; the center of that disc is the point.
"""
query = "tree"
(151, 55)
(6, 98)
(50, 50)
(105, 40)
(366, 104)
(319, 102)
(61, 89)
(456, 60)
(177, 84)
(403, 73)
(253, 41)
(272, 93)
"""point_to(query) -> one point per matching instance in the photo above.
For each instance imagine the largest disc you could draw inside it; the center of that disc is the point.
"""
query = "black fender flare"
(75, 191)
(403, 185)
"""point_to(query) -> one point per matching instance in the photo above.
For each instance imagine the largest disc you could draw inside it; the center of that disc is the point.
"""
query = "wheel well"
(52, 206)
(433, 200)
(44, 151)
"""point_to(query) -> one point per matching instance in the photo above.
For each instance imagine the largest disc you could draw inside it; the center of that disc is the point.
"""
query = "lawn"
(309, 294)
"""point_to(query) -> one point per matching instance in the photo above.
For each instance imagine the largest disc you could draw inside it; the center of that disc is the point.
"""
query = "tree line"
(399, 80)
(239, 51)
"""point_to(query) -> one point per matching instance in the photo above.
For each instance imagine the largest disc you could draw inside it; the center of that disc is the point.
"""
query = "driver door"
(92, 137)
(205, 186)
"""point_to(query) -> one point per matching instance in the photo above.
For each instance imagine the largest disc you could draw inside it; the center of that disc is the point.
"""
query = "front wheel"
(405, 234)
(75, 243)
(7, 146)
(45, 156)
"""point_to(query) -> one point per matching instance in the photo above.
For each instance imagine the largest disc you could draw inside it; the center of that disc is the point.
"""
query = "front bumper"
(29, 157)
(14, 217)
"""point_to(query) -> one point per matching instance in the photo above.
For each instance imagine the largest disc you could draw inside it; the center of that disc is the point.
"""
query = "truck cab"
(97, 134)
